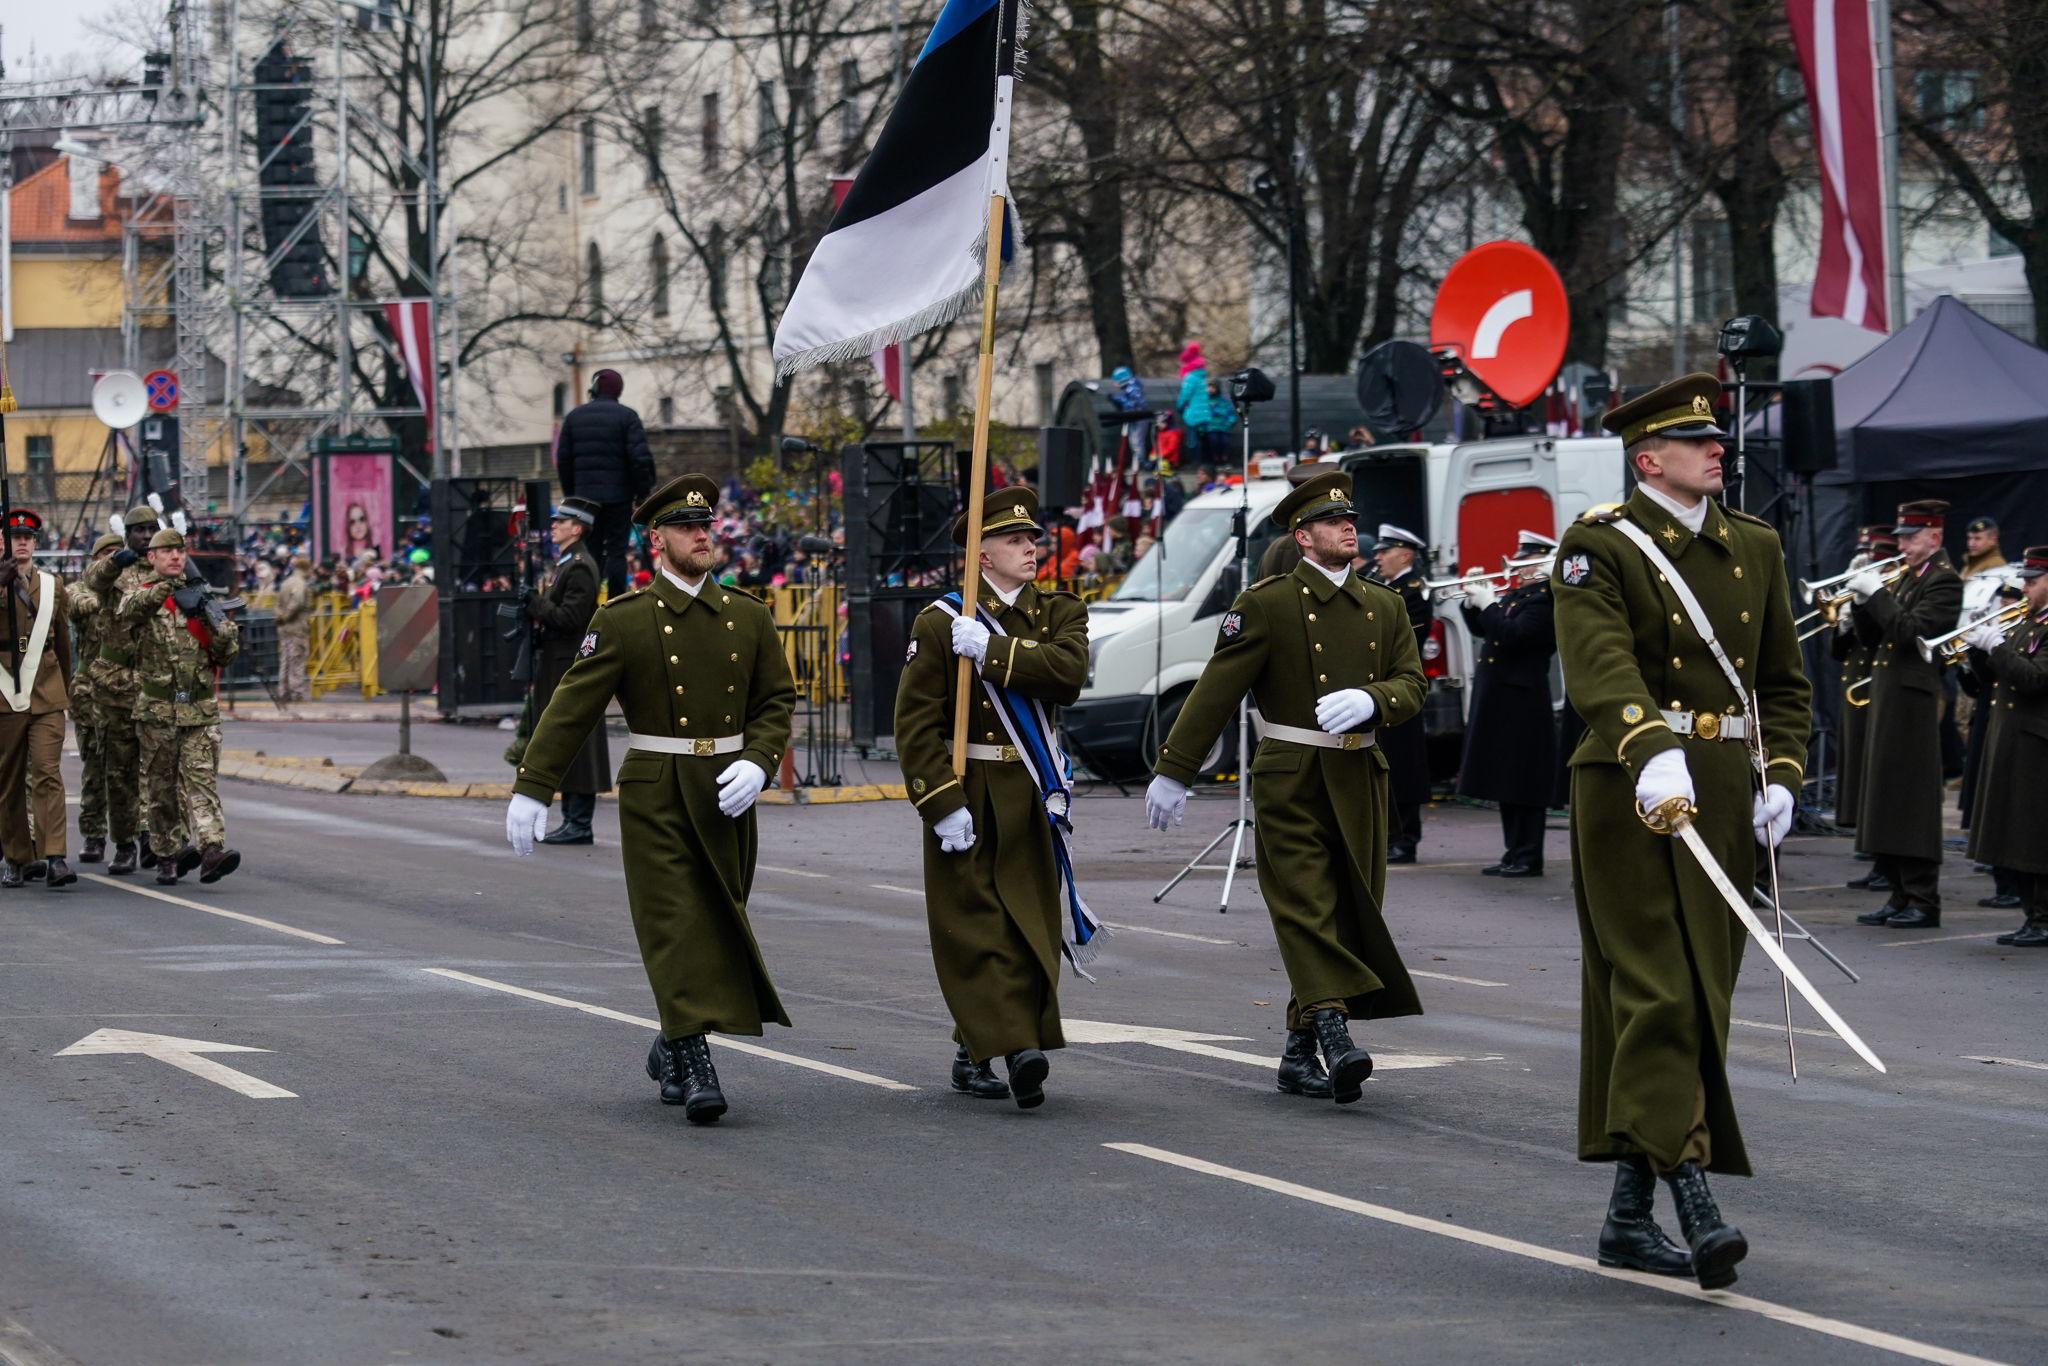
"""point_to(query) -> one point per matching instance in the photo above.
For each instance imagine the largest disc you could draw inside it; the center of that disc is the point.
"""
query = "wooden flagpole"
(977, 478)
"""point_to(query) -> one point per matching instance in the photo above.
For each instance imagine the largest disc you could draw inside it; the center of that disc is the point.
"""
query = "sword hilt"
(1669, 816)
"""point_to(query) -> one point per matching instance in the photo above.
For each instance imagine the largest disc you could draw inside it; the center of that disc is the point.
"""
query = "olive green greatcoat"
(1661, 948)
(1899, 813)
(1320, 814)
(2005, 815)
(699, 668)
(994, 910)
(561, 616)
(1852, 722)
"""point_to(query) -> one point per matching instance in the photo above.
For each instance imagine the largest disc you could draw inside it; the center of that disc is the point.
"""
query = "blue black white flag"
(907, 249)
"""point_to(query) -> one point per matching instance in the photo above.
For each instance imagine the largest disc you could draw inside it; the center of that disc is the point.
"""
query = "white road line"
(1779, 1028)
(211, 910)
(1797, 1318)
(19, 1347)
(2009, 1062)
(1170, 934)
(724, 1041)
(793, 872)
(887, 887)
(1204, 1045)
(1940, 939)
(1446, 977)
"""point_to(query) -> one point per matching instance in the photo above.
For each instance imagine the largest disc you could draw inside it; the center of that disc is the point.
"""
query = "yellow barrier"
(342, 646)
(813, 655)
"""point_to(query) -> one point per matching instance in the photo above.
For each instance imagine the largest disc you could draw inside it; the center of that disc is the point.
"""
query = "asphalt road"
(465, 1174)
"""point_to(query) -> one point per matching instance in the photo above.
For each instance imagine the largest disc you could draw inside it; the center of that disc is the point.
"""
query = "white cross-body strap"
(1700, 623)
(17, 693)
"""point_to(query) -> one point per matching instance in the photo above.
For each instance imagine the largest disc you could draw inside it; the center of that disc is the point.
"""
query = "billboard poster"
(356, 515)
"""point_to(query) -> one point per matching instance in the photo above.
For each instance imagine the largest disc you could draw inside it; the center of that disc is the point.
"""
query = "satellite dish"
(119, 399)
(1399, 387)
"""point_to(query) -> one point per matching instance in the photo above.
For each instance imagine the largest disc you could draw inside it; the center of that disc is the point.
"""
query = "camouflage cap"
(167, 539)
(108, 541)
(142, 514)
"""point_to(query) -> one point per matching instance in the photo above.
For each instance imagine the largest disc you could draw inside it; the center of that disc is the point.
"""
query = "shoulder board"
(1270, 578)
(1600, 513)
(1059, 593)
(626, 596)
(1742, 516)
(748, 594)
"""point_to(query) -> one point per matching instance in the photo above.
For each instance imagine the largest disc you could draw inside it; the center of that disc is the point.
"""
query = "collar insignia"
(1670, 533)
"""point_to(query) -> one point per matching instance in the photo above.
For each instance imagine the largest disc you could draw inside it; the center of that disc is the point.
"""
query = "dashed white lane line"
(1446, 977)
(793, 872)
(891, 887)
(1939, 939)
(1204, 1045)
(1797, 1318)
(1779, 1028)
(256, 920)
(724, 1040)
(2009, 1062)
(1170, 934)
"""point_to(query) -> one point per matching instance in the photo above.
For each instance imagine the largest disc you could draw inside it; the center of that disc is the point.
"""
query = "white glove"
(1479, 592)
(970, 638)
(1985, 635)
(1345, 709)
(741, 782)
(1166, 802)
(1663, 777)
(526, 820)
(1845, 622)
(1864, 583)
(1770, 814)
(955, 830)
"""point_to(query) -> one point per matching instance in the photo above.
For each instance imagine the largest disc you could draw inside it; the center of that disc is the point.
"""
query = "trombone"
(1950, 647)
(1510, 569)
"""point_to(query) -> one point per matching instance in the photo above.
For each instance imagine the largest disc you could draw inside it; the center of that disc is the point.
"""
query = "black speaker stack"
(480, 560)
(901, 498)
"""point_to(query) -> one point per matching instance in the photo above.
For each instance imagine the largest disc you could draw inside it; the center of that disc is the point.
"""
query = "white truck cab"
(1148, 642)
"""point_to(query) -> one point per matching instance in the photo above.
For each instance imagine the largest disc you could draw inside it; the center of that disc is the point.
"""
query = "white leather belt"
(1707, 725)
(995, 754)
(1321, 739)
(669, 744)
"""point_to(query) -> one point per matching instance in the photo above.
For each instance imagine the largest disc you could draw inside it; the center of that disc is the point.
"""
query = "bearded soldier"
(998, 874)
(1330, 659)
(182, 642)
(115, 685)
(699, 671)
(1898, 820)
(1659, 600)
(101, 805)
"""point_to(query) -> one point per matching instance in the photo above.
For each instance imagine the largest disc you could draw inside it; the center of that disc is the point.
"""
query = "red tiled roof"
(41, 208)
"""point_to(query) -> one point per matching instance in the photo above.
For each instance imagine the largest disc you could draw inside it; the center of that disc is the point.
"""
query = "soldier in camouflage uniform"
(98, 800)
(114, 685)
(179, 649)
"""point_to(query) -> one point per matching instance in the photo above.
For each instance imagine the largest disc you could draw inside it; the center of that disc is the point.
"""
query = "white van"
(1469, 501)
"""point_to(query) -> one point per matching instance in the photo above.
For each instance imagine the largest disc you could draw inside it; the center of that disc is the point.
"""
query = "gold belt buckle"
(1353, 740)
(705, 747)
(1007, 754)
(1706, 725)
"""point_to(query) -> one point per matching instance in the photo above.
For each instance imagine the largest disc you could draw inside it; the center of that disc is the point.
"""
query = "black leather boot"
(1301, 1071)
(703, 1102)
(10, 873)
(977, 1079)
(37, 870)
(188, 859)
(216, 862)
(148, 858)
(663, 1067)
(1872, 881)
(60, 874)
(95, 851)
(1028, 1069)
(1349, 1064)
(1630, 1237)
(1716, 1247)
(1881, 916)
(1915, 918)
(126, 859)
(167, 870)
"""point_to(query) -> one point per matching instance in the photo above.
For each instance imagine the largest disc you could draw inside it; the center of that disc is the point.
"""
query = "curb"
(318, 775)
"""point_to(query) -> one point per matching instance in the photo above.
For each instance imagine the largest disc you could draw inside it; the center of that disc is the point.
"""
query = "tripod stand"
(1237, 829)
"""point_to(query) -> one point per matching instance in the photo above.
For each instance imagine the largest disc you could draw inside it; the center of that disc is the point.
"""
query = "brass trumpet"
(1849, 693)
(1817, 590)
(1828, 601)
(1950, 647)
(1510, 569)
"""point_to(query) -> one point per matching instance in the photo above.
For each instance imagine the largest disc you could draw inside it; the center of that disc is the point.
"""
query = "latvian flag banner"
(906, 249)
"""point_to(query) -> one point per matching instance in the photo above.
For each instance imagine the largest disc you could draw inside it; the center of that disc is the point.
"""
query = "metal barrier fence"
(807, 617)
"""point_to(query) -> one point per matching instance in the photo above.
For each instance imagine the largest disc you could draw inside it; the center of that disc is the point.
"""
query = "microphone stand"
(1236, 830)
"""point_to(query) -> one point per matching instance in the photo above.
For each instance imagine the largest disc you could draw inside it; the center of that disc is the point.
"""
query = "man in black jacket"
(562, 608)
(602, 457)
(1511, 733)
(1405, 746)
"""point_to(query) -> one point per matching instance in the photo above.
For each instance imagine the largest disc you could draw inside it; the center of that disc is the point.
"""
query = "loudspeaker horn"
(118, 399)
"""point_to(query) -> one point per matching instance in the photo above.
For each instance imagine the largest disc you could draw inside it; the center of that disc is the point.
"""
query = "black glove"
(126, 556)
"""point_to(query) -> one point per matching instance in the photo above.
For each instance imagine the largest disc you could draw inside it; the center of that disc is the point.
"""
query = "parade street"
(381, 1097)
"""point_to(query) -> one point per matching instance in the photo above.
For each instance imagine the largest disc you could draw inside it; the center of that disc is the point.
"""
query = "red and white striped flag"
(412, 323)
(1840, 66)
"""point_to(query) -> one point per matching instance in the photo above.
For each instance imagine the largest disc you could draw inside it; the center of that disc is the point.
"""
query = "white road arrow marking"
(182, 1053)
(1183, 1041)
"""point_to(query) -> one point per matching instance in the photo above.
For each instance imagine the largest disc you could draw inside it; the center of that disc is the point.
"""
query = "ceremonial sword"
(1674, 816)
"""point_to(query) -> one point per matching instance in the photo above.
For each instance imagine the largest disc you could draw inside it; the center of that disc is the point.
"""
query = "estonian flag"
(906, 250)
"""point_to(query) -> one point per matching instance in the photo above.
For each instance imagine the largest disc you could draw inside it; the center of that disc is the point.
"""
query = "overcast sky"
(56, 29)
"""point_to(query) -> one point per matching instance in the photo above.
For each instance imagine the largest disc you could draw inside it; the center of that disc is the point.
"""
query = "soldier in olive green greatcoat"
(1898, 819)
(115, 685)
(992, 854)
(1663, 720)
(699, 671)
(182, 643)
(2011, 665)
(1329, 658)
(100, 807)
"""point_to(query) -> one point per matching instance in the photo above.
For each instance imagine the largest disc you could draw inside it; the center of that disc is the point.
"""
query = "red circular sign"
(1503, 306)
(161, 388)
